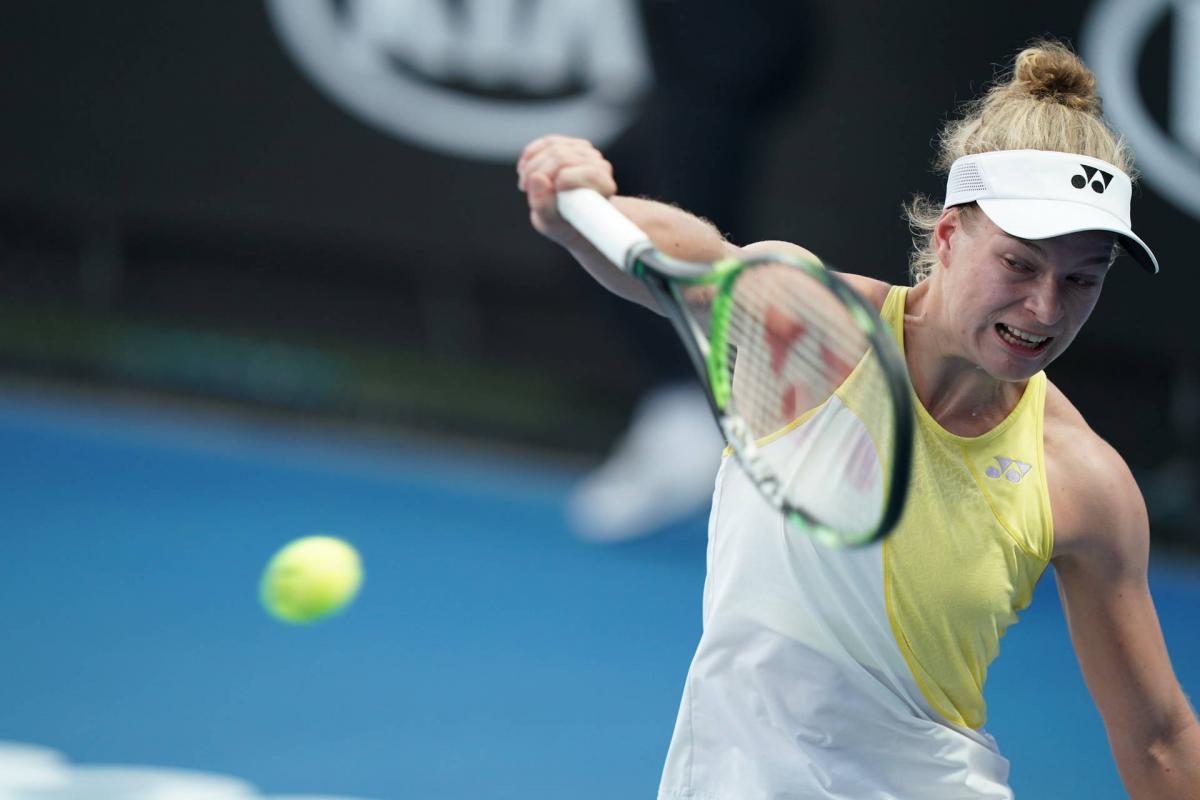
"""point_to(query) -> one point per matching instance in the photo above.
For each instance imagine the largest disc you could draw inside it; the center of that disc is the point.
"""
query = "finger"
(547, 163)
(541, 194)
(530, 150)
(590, 176)
(537, 148)
(546, 168)
(566, 148)
(543, 205)
(563, 146)
(536, 159)
(540, 184)
(541, 143)
(551, 159)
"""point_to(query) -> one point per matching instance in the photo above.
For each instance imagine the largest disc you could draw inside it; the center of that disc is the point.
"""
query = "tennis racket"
(807, 385)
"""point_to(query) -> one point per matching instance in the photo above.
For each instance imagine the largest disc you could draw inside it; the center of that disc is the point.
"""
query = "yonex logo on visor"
(1040, 194)
(1080, 181)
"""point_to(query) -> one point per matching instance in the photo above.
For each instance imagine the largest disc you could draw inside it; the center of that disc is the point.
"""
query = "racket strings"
(794, 344)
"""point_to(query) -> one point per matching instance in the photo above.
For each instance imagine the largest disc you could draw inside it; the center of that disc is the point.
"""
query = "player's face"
(1017, 303)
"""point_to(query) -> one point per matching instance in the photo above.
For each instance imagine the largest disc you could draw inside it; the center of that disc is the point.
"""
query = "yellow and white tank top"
(845, 674)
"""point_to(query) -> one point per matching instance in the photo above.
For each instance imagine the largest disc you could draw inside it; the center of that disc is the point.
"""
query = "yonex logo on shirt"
(1010, 468)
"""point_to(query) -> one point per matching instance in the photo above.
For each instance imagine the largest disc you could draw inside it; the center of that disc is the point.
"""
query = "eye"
(1015, 264)
(1084, 281)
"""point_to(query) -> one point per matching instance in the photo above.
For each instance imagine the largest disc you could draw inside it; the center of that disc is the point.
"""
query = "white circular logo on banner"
(1114, 35)
(475, 78)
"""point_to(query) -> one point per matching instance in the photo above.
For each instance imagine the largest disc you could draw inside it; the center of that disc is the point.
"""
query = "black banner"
(312, 203)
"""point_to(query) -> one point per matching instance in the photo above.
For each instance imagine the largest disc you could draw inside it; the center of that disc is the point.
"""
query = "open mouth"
(1022, 340)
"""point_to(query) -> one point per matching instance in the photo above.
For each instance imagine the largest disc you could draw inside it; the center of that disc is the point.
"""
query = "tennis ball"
(310, 579)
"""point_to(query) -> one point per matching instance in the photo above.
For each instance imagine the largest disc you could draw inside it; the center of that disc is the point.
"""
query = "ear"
(951, 222)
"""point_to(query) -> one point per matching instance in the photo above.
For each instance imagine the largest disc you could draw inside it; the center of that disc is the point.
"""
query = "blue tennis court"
(490, 654)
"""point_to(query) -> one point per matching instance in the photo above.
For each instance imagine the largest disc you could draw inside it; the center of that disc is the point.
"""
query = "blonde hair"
(1048, 101)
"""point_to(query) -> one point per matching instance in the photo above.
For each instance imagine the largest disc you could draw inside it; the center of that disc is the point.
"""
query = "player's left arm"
(1102, 576)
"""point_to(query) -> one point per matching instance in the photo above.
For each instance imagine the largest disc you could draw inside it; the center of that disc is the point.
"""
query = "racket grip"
(599, 221)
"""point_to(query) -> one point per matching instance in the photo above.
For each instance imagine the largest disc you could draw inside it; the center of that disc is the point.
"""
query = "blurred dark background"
(308, 207)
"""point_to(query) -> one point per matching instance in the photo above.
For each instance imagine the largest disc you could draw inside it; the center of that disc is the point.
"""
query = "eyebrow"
(1027, 242)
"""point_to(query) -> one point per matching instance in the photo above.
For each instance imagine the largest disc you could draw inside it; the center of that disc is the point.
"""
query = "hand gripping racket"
(803, 378)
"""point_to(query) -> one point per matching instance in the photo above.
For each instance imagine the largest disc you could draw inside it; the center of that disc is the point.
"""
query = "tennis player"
(826, 673)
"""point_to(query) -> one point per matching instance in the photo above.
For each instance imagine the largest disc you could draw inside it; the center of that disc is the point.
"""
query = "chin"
(1014, 369)
(1014, 373)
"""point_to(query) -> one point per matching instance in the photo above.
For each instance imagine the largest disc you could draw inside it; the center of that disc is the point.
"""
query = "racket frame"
(630, 249)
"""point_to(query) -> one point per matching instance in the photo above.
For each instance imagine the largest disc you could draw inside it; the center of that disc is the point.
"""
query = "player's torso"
(848, 673)
(976, 535)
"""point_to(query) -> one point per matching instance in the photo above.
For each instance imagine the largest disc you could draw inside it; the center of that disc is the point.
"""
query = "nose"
(1044, 302)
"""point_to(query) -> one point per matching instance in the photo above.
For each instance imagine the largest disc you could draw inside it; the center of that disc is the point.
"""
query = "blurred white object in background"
(31, 772)
(660, 471)
(27, 766)
(121, 782)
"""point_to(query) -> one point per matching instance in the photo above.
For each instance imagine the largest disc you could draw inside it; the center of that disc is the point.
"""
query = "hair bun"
(1050, 71)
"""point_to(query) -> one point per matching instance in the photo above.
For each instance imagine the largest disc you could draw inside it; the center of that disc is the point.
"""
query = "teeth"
(1022, 336)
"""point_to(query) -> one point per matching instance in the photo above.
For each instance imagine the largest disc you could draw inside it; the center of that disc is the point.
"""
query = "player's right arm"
(556, 163)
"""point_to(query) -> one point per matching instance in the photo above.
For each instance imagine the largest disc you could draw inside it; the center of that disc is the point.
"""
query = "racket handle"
(599, 221)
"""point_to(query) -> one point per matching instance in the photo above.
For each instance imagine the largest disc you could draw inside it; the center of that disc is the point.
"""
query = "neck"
(957, 393)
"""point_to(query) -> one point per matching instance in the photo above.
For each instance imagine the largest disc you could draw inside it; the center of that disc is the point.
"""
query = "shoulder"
(873, 291)
(1096, 503)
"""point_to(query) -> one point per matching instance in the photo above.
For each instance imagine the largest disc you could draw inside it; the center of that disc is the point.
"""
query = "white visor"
(1037, 194)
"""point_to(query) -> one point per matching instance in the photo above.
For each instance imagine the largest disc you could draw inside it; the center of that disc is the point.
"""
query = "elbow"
(1165, 764)
(1182, 738)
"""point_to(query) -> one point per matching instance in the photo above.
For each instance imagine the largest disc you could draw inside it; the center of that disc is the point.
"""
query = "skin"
(970, 378)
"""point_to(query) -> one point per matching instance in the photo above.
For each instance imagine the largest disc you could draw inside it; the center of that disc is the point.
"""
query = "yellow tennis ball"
(310, 579)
